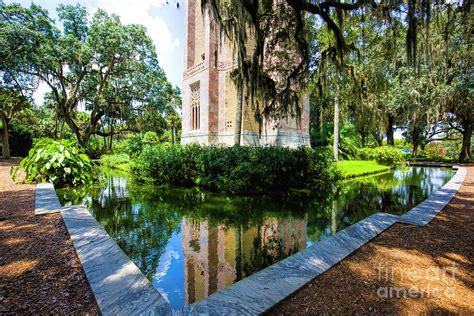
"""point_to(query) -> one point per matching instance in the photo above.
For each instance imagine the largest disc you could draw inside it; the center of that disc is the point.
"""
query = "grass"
(356, 168)
(116, 161)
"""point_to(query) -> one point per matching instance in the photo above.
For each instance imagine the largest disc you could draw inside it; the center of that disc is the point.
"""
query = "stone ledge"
(118, 285)
(427, 210)
(46, 200)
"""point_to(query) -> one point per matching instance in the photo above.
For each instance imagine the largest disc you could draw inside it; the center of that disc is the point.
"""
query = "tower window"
(195, 106)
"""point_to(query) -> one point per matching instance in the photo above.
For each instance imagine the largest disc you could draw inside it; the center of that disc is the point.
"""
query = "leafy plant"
(240, 170)
(61, 162)
(150, 138)
(385, 155)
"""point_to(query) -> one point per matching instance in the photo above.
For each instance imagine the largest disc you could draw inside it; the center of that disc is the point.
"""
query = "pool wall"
(121, 289)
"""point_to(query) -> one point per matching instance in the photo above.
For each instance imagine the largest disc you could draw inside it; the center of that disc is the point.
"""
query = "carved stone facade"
(208, 63)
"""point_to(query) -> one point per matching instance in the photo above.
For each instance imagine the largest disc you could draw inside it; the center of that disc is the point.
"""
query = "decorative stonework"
(194, 69)
(227, 64)
(195, 106)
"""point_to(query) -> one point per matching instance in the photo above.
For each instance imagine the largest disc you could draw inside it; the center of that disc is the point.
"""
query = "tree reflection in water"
(191, 243)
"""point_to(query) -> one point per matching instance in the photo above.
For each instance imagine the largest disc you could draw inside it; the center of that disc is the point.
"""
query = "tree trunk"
(173, 135)
(415, 149)
(336, 130)
(390, 137)
(377, 138)
(334, 211)
(465, 154)
(238, 114)
(111, 134)
(363, 139)
(5, 144)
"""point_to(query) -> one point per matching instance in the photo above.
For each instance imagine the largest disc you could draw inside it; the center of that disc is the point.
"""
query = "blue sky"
(165, 24)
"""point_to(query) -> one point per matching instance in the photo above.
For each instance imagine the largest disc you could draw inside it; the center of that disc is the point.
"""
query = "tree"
(11, 102)
(457, 73)
(362, 39)
(16, 87)
(100, 65)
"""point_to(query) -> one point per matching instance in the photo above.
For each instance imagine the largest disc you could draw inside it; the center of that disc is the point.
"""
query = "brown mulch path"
(405, 270)
(39, 270)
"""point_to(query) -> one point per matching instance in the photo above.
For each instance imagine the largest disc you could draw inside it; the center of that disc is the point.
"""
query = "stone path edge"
(121, 289)
(46, 200)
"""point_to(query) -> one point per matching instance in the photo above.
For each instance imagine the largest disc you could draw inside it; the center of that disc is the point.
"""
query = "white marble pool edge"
(121, 289)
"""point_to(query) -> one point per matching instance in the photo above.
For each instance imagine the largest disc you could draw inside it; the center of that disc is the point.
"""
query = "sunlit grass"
(116, 161)
(356, 168)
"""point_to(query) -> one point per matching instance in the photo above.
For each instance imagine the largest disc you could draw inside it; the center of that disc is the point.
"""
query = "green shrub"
(243, 170)
(436, 152)
(61, 162)
(389, 156)
(385, 155)
(367, 153)
(95, 147)
(150, 139)
(133, 145)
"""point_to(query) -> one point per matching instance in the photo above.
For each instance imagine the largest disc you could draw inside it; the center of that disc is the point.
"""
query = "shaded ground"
(39, 270)
(405, 270)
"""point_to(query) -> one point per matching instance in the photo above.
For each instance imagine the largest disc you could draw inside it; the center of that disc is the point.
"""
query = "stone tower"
(210, 95)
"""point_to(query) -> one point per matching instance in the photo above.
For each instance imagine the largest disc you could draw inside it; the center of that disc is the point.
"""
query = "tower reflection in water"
(215, 256)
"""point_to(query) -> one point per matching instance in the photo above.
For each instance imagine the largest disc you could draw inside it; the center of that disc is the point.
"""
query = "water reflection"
(190, 243)
(216, 256)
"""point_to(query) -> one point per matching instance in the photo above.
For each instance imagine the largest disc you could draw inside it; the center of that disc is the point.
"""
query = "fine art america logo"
(413, 283)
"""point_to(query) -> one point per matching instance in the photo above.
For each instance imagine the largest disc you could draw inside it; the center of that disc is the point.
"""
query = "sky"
(164, 22)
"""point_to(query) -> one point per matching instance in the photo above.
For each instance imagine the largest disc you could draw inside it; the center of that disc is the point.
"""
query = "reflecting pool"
(191, 243)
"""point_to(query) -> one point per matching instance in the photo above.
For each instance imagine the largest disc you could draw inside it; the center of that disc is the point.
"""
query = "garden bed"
(40, 272)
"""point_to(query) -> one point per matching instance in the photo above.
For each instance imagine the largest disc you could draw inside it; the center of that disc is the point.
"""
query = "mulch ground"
(405, 270)
(39, 270)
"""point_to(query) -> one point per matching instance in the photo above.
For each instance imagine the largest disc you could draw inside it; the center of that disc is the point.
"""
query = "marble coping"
(120, 288)
(46, 200)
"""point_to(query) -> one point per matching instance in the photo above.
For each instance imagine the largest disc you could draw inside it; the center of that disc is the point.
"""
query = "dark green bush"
(385, 155)
(61, 162)
(242, 170)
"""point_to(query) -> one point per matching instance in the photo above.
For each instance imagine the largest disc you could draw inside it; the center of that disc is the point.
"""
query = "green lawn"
(355, 168)
(116, 161)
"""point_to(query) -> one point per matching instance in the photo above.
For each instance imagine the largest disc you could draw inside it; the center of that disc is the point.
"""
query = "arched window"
(195, 106)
